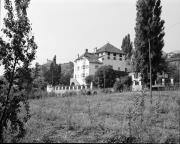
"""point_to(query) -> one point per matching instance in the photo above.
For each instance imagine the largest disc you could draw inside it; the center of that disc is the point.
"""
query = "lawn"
(116, 117)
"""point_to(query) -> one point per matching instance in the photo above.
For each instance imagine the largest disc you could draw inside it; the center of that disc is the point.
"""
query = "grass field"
(117, 117)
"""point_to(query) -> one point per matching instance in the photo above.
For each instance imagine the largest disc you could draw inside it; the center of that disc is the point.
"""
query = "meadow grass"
(116, 117)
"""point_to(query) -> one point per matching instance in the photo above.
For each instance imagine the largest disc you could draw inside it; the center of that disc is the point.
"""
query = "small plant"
(69, 94)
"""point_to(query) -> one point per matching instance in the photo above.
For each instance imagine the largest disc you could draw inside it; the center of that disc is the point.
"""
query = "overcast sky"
(68, 27)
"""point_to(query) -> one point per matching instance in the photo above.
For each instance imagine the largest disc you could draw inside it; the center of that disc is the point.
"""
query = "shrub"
(69, 94)
(118, 86)
(37, 94)
(121, 139)
(122, 84)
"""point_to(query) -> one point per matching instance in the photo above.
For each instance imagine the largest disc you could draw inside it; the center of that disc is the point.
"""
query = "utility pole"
(104, 79)
(150, 71)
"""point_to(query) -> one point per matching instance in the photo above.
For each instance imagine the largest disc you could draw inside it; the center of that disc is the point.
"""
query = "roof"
(109, 48)
(91, 57)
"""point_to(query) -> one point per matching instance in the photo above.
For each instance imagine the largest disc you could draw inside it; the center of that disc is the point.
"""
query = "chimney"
(86, 50)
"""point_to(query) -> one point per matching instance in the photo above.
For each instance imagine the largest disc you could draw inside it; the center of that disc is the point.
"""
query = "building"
(136, 81)
(88, 63)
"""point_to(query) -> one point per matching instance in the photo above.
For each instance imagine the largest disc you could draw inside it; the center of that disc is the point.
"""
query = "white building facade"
(88, 63)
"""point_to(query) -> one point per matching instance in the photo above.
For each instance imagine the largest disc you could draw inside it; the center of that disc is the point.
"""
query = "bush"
(124, 83)
(118, 86)
(69, 94)
(37, 94)
(121, 139)
(107, 90)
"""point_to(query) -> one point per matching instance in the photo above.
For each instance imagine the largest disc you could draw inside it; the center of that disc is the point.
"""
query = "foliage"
(65, 78)
(38, 83)
(66, 73)
(36, 71)
(89, 79)
(173, 71)
(105, 73)
(149, 27)
(17, 51)
(127, 46)
(53, 75)
(124, 82)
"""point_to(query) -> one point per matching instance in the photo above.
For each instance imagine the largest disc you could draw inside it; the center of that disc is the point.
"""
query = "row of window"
(82, 75)
(120, 69)
(114, 58)
(96, 67)
(82, 67)
(86, 67)
(108, 53)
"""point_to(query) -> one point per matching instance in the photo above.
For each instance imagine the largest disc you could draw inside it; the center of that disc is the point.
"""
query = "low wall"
(63, 89)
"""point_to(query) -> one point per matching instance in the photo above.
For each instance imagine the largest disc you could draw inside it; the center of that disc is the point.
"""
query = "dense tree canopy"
(53, 75)
(105, 76)
(149, 30)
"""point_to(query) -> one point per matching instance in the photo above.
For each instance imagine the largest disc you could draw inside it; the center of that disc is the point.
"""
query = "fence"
(63, 89)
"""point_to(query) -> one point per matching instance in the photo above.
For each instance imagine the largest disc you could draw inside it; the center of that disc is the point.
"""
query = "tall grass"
(125, 117)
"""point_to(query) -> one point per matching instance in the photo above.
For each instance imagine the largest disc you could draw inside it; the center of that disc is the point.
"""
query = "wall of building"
(81, 70)
(93, 68)
(82, 67)
(118, 63)
(136, 82)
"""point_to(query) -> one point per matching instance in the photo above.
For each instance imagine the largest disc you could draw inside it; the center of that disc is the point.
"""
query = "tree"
(36, 71)
(89, 79)
(53, 75)
(127, 46)
(67, 71)
(105, 77)
(38, 83)
(122, 83)
(17, 51)
(149, 32)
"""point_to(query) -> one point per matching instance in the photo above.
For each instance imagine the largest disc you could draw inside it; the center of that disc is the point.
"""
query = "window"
(120, 55)
(108, 53)
(125, 69)
(136, 83)
(83, 74)
(120, 59)
(96, 66)
(136, 75)
(119, 69)
(114, 56)
(83, 67)
(108, 57)
(111, 66)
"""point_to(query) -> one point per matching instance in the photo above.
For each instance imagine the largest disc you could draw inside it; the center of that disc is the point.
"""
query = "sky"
(66, 28)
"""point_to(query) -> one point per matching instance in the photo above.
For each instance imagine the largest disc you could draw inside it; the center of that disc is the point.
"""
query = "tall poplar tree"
(17, 51)
(149, 28)
(53, 75)
(127, 46)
